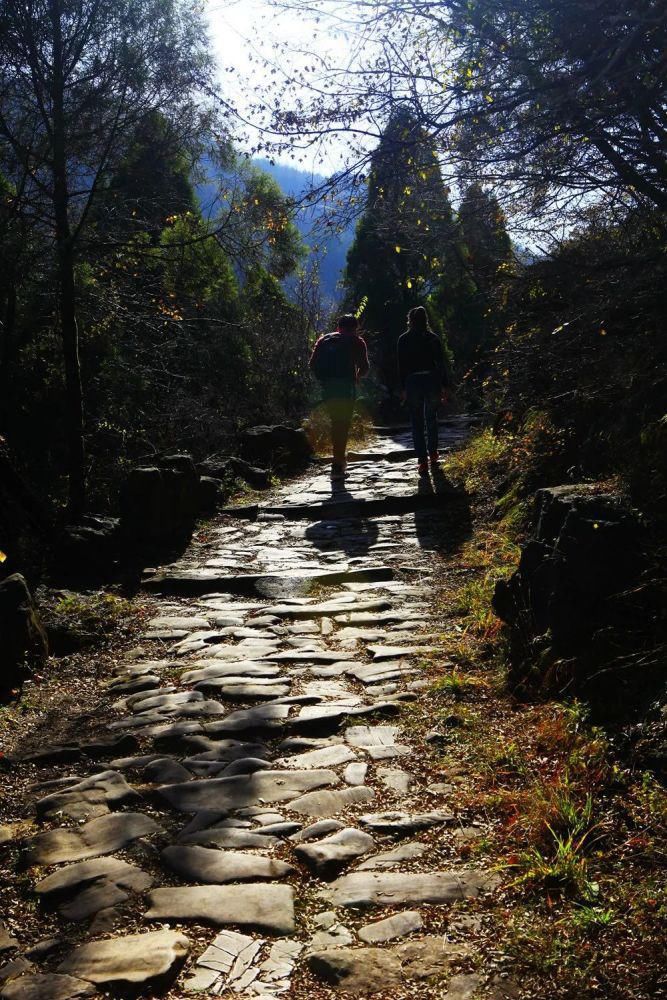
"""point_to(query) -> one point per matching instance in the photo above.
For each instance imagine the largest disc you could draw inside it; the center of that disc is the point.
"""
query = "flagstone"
(246, 765)
(283, 829)
(202, 864)
(323, 804)
(316, 830)
(128, 960)
(377, 673)
(327, 857)
(132, 683)
(368, 970)
(89, 796)
(355, 773)
(188, 622)
(231, 838)
(325, 609)
(399, 925)
(366, 889)
(165, 770)
(267, 907)
(237, 689)
(98, 836)
(310, 656)
(46, 986)
(396, 652)
(369, 736)
(389, 859)
(400, 823)
(329, 756)
(334, 936)
(74, 877)
(224, 963)
(243, 790)
(228, 750)
(209, 669)
(395, 780)
(7, 942)
(163, 701)
(250, 720)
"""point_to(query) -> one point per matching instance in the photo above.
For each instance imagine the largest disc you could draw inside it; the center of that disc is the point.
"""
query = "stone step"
(192, 582)
(405, 428)
(396, 455)
(359, 509)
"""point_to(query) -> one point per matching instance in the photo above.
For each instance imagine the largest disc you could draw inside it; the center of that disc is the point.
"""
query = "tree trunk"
(6, 352)
(73, 388)
(66, 286)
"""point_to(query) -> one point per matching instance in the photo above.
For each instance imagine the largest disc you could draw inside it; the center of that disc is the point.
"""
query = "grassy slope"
(579, 837)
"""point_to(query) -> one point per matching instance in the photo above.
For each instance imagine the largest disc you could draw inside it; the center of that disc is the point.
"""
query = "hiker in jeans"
(338, 361)
(423, 376)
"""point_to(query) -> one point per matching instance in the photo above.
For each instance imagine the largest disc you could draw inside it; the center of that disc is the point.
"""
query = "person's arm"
(439, 360)
(311, 360)
(363, 366)
(400, 353)
(444, 371)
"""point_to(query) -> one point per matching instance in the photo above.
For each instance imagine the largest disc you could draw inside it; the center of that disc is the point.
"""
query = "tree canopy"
(554, 102)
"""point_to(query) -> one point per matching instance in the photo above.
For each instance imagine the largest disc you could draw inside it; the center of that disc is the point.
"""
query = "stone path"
(257, 822)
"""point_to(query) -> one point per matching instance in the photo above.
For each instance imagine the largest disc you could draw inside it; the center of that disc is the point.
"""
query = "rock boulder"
(576, 604)
(276, 447)
(22, 638)
(159, 503)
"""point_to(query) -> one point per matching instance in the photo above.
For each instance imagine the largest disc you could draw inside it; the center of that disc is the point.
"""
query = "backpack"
(333, 358)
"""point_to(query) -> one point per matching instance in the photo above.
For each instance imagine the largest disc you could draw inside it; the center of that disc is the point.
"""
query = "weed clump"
(79, 621)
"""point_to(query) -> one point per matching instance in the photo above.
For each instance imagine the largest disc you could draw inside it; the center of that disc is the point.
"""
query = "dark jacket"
(421, 352)
(339, 357)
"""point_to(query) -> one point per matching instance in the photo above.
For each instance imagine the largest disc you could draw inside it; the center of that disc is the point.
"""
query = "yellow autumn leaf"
(397, 249)
(3, 556)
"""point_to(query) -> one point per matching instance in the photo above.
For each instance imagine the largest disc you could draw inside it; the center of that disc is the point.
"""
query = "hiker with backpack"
(338, 361)
(424, 376)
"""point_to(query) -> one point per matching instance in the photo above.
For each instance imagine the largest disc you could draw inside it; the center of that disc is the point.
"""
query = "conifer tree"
(469, 297)
(76, 76)
(404, 239)
(151, 183)
(486, 243)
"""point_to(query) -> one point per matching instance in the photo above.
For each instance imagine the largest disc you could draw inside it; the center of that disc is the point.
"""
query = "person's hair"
(418, 320)
(347, 322)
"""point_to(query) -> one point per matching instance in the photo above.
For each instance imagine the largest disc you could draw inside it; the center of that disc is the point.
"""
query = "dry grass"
(579, 837)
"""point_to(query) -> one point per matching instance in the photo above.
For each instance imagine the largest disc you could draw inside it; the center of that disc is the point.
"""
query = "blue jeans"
(423, 395)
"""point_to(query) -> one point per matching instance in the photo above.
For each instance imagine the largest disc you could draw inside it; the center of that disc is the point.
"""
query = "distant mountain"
(331, 250)
(292, 180)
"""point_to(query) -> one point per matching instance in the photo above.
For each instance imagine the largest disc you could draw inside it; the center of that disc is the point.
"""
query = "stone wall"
(581, 609)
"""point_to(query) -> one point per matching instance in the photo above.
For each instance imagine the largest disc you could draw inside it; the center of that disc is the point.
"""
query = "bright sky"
(246, 33)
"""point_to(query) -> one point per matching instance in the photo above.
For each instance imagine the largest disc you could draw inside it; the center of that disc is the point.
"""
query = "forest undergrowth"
(577, 833)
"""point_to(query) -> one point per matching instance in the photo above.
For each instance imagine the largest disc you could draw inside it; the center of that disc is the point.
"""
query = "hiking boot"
(422, 468)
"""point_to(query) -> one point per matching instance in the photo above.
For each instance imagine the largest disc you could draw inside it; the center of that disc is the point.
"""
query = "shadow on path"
(446, 526)
(354, 536)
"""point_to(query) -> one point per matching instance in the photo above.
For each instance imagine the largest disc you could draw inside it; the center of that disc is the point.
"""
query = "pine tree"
(150, 185)
(77, 77)
(403, 241)
(485, 239)
(470, 294)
